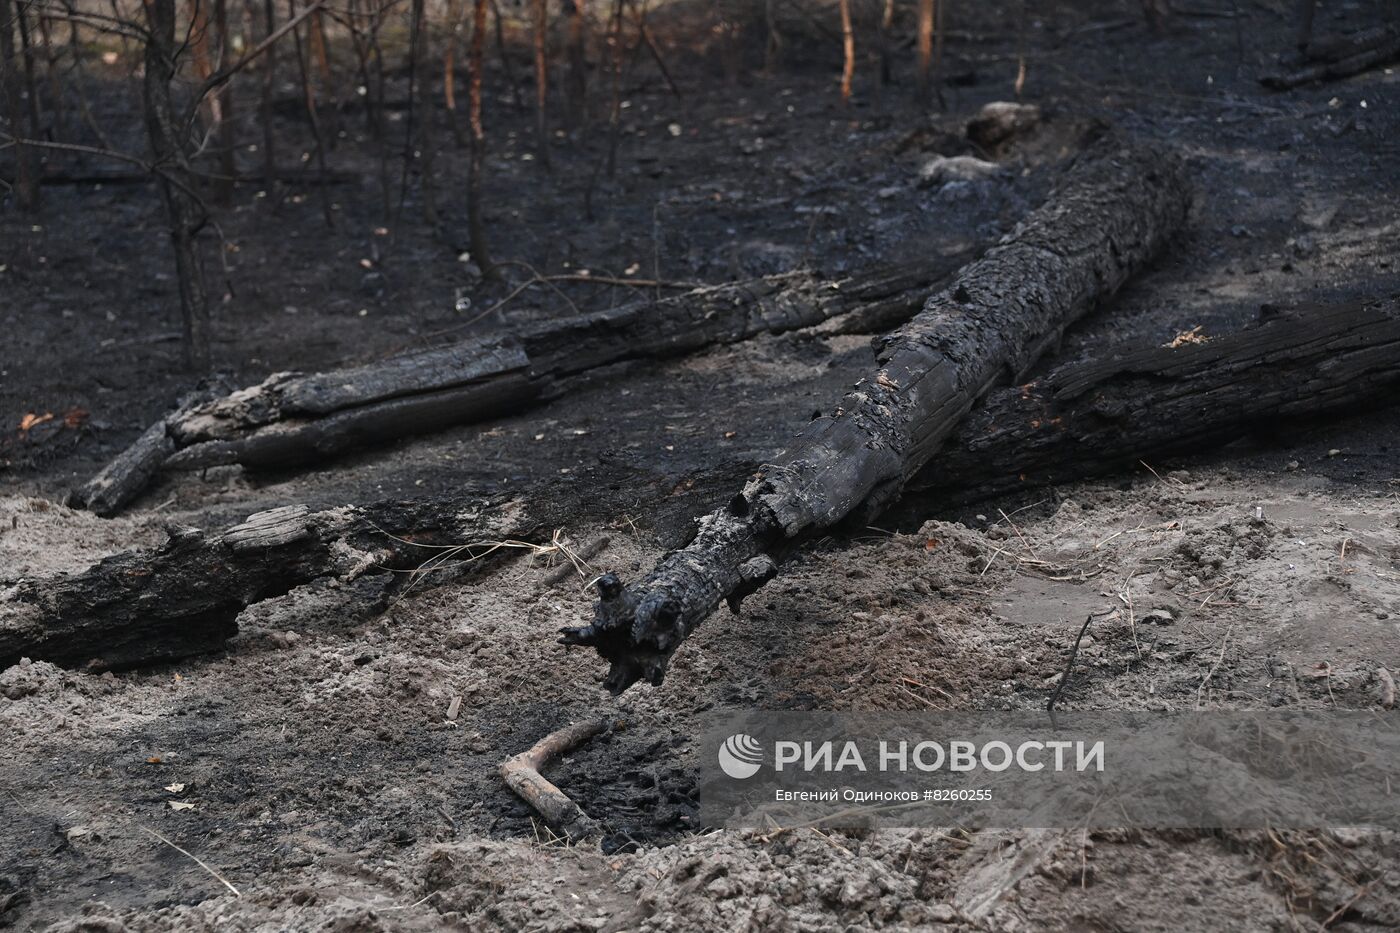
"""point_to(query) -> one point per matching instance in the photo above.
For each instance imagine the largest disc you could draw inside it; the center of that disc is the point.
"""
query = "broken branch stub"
(1113, 211)
(125, 477)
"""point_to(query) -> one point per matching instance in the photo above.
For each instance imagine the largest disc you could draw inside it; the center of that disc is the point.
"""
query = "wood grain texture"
(1101, 415)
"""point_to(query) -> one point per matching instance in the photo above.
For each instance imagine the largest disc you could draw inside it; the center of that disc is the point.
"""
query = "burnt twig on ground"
(576, 561)
(1069, 665)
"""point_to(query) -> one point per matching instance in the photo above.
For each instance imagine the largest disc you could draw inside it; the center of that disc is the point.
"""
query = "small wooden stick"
(1069, 667)
(1387, 688)
(522, 775)
(584, 554)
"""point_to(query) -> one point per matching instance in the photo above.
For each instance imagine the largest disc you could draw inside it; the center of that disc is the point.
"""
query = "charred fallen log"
(1083, 419)
(1340, 57)
(292, 418)
(184, 598)
(1112, 213)
(1101, 415)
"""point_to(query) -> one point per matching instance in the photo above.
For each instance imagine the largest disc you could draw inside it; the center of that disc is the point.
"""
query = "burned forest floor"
(314, 765)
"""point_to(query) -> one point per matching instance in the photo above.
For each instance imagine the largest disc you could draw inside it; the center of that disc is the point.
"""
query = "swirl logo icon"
(740, 756)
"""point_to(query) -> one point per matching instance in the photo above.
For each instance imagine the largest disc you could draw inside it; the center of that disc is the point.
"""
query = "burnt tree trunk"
(1114, 211)
(1082, 419)
(205, 40)
(26, 182)
(476, 159)
(184, 598)
(1102, 415)
(539, 36)
(269, 85)
(313, 118)
(924, 44)
(576, 80)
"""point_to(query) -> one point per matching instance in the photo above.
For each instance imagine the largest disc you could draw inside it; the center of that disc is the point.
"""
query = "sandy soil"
(313, 767)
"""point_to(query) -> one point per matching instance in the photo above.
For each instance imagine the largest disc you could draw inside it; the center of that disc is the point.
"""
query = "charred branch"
(1340, 57)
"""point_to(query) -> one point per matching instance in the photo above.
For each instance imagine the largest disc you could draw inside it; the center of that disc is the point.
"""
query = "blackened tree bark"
(293, 419)
(1100, 415)
(615, 111)
(576, 84)
(1086, 418)
(223, 107)
(476, 165)
(886, 26)
(184, 213)
(31, 86)
(540, 35)
(1113, 212)
(205, 38)
(269, 85)
(26, 165)
(308, 90)
(184, 597)
(420, 114)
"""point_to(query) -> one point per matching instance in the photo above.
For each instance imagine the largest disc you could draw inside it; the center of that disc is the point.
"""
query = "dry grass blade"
(197, 860)
(451, 556)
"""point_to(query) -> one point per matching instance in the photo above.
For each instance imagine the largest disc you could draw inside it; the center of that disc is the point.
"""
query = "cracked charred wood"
(295, 441)
(123, 479)
(1112, 212)
(294, 418)
(1340, 57)
(184, 597)
(1098, 416)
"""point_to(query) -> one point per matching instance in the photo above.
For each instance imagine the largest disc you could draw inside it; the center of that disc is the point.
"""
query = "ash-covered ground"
(312, 765)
